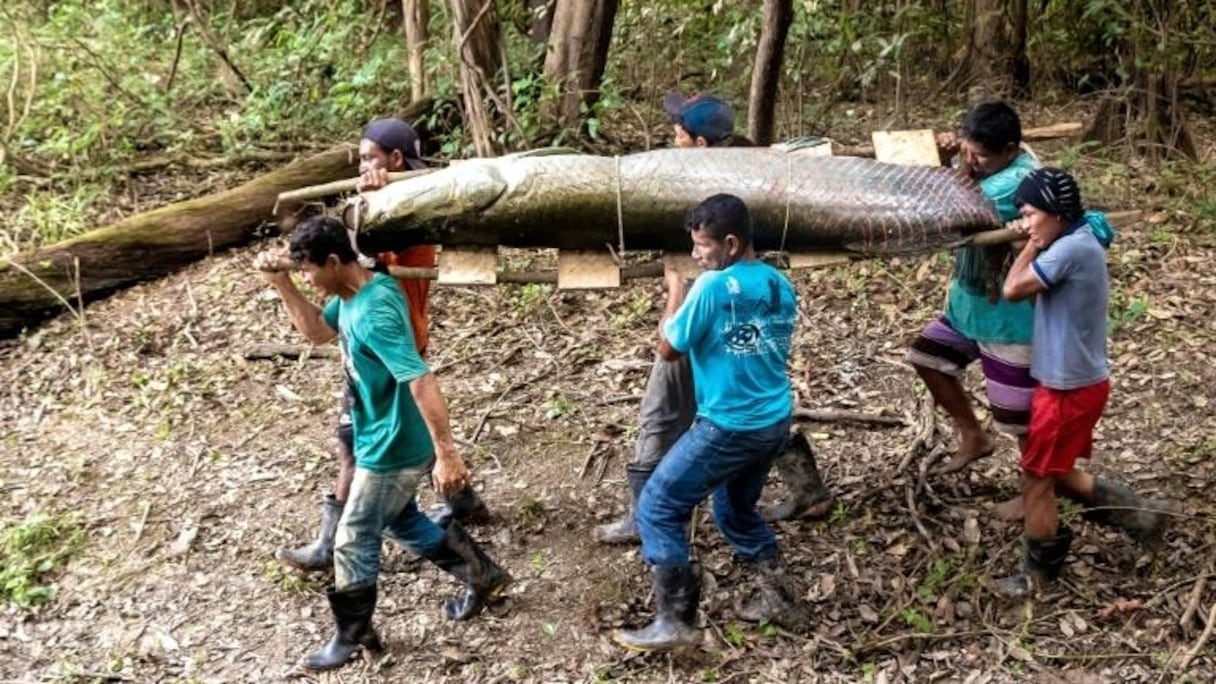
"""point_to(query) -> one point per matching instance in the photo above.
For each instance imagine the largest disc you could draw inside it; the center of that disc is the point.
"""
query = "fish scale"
(800, 202)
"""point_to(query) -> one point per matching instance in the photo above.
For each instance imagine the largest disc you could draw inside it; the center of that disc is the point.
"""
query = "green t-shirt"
(380, 359)
(969, 309)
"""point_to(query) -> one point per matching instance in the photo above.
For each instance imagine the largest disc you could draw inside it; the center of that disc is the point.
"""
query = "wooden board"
(468, 266)
(913, 148)
(587, 271)
(818, 259)
(682, 264)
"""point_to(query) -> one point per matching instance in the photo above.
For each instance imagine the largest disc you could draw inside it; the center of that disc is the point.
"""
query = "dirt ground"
(188, 465)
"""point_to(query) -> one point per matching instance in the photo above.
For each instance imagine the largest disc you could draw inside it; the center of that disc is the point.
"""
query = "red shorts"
(1062, 427)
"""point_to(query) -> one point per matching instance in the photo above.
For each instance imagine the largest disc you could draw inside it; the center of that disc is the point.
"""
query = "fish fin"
(805, 142)
(541, 152)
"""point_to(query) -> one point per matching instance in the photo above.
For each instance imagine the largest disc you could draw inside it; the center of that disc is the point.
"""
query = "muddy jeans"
(381, 504)
(668, 407)
(732, 465)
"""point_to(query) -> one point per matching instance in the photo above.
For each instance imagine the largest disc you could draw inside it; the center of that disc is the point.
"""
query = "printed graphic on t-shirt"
(754, 325)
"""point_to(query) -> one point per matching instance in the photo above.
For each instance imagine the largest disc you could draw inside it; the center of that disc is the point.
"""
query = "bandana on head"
(1053, 191)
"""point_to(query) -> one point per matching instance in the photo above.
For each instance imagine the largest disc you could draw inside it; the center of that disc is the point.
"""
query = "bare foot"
(1011, 510)
(970, 450)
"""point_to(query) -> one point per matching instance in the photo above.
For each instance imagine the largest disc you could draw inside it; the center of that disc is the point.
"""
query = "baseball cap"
(701, 115)
(395, 134)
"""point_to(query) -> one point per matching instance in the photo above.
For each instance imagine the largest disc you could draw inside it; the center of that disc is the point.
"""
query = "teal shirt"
(736, 326)
(972, 313)
(380, 359)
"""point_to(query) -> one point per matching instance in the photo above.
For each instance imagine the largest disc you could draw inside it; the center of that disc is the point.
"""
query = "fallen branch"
(289, 351)
(1192, 604)
(844, 416)
(1201, 641)
(1052, 132)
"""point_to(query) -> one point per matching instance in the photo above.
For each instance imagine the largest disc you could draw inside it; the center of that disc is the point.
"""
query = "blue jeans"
(708, 459)
(380, 504)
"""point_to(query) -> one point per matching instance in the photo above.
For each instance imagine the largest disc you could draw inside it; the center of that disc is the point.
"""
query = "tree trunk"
(1149, 116)
(540, 25)
(766, 72)
(984, 69)
(1019, 62)
(478, 43)
(578, 51)
(151, 244)
(416, 16)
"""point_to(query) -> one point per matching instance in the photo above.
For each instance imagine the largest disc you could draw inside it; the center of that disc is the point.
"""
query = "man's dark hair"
(719, 216)
(994, 125)
(319, 236)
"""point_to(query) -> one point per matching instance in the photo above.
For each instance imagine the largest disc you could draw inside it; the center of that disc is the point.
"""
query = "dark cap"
(703, 116)
(395, 134)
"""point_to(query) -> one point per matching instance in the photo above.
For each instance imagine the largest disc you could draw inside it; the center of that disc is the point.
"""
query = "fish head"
(463, 188)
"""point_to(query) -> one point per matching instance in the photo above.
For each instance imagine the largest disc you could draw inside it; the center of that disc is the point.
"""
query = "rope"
(789, 181)
(620, 212)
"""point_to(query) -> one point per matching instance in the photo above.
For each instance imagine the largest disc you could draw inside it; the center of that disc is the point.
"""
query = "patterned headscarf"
(1053, 191)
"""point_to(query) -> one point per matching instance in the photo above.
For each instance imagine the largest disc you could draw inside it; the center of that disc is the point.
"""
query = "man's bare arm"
(677, 288)
(450, 474)
(304, 315)
(1022, 283)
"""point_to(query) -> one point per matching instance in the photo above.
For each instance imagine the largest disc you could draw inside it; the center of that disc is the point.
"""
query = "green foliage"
(30, 552)
(917, 620)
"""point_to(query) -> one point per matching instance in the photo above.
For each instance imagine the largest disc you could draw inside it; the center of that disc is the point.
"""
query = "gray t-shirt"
(1069, 349)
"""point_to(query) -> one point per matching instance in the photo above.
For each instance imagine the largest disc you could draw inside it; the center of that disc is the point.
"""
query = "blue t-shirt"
(972, 312)
(736, 325)
(380, 359)
(1070, 314)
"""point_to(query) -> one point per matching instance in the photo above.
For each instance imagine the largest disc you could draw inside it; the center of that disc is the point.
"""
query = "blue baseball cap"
(703, 116)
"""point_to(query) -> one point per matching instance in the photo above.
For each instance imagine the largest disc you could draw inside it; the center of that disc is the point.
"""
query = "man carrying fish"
(735, 325)
(979, 323)
(401, 435)
(669, 404)
(387, 145)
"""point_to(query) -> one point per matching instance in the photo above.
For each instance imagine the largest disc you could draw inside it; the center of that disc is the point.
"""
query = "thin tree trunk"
(477, 40)
(1019, 61)
(766, 71)
(984, 71)
(578, 51)
(416, 16)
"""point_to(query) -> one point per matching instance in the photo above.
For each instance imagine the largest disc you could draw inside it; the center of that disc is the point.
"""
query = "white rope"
(789, 181)
(620, 212)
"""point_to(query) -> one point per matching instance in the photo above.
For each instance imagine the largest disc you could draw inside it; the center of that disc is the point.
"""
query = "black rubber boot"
(677, 591)
(465, 506)
(1042, 560)
(352, 610)
(484, 580)
(625, 530)
(806, 493)
(1116, 505)
(775, 599)
(318, 555)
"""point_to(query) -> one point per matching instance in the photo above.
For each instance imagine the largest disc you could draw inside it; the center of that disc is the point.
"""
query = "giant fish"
(800, 202)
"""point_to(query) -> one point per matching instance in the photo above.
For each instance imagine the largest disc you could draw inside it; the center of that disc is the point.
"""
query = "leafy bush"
(30, 552)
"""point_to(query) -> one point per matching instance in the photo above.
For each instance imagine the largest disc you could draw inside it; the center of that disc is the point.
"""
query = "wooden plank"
(818, 260)
(468, 266)
(913, 148)
(587, 271)
(682, 264)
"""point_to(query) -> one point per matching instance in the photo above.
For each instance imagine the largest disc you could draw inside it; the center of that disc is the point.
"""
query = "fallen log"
(36, 285)
(1052, 132)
